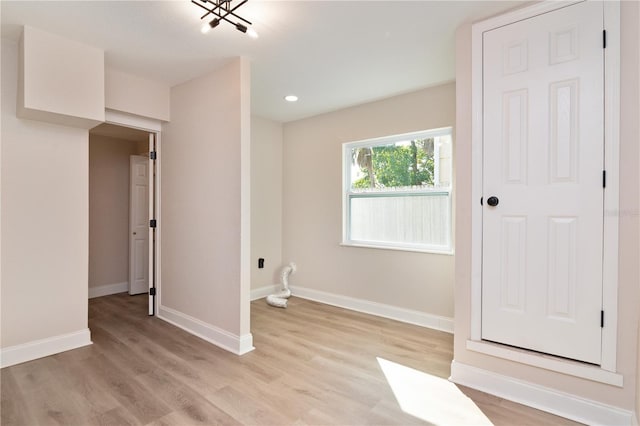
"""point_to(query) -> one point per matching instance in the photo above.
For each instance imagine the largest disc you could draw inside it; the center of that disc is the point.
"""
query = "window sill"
(396, 248)
(547, 362)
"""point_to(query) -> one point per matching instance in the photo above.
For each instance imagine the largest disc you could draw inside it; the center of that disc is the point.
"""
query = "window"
(397, 192)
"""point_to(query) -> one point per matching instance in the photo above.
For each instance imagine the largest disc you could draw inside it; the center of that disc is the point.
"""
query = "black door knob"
(493, 201)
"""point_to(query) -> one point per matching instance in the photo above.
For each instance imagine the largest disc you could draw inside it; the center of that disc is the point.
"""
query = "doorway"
(557, 128)
(119, 260)
(543, 161)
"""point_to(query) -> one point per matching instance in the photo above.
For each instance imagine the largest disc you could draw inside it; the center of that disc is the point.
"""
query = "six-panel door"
(543, 160)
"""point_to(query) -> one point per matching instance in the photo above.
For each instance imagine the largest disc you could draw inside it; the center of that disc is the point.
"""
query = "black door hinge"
(152, 223)
(604, 178)
(152, 291)
(153, 155)
(604, 39)
(601, 319)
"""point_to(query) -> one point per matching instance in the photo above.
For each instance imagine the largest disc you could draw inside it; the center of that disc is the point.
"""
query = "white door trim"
(158, 245)
(152, 210)
(611, 194)
(152, 126)
(612, 85)
(124, 119)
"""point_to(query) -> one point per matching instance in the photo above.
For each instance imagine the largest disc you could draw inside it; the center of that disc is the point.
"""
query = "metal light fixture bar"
(222, 10)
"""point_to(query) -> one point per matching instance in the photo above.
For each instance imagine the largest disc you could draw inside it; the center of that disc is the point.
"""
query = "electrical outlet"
(260, 263)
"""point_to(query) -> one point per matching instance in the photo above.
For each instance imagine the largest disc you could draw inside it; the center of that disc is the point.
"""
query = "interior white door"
(543, 98)
(139, 225)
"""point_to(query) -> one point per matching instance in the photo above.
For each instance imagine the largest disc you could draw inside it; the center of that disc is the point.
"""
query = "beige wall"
(132, 94)
(266, 201)
(628, 243)
(44, 221)
(109, 208)
(51, 90)
(312, 207)
(202, 209)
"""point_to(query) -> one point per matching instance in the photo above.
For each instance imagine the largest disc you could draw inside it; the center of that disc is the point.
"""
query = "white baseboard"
(259, 293)
(238, 345)
(543, 398)
(105, 290)
(435, 322)
(18, 354)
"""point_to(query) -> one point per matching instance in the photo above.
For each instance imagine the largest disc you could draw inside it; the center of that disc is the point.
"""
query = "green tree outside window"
(396, 165)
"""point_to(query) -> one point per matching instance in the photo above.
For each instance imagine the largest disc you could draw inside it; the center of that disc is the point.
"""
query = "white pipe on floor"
(279, 299)
(276, 301)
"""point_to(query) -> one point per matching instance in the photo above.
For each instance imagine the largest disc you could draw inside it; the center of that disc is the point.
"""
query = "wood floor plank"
(119, 353)
(15, 409)
(129, 392)
(191, 404)
(199, 414)
(247, 410)
(313, 364)
(118, 416)
(389, 410)
(155, 356)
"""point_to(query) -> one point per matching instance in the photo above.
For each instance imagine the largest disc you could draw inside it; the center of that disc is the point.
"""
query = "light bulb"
(205, 28)
(252, 33)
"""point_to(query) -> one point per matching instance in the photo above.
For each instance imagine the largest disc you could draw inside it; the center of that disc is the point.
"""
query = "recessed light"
(291, 98)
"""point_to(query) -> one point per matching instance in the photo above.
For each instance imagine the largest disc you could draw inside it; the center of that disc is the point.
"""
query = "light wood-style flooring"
(313, 364)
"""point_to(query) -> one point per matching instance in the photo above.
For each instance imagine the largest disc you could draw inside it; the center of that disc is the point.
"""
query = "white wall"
(136, 95)
(266, 201)
(109, 209)
(45, 204)
(45, 182)
(204, 213)
(629, 251)
(44, 222)
(50, 89)
(312, 207)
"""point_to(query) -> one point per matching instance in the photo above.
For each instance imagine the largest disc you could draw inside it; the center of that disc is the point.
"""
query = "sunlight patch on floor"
(430, 398)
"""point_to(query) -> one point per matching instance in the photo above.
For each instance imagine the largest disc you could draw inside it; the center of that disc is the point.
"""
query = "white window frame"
(347, 194)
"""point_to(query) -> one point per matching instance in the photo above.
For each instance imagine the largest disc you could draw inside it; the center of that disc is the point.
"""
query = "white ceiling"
(332, 54)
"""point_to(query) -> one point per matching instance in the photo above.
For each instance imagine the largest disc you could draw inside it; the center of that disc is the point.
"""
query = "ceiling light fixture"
(291, 98)
(221, 10)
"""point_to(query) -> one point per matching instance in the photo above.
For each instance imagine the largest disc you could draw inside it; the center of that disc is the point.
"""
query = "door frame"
(155, 127)
(606, 371)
